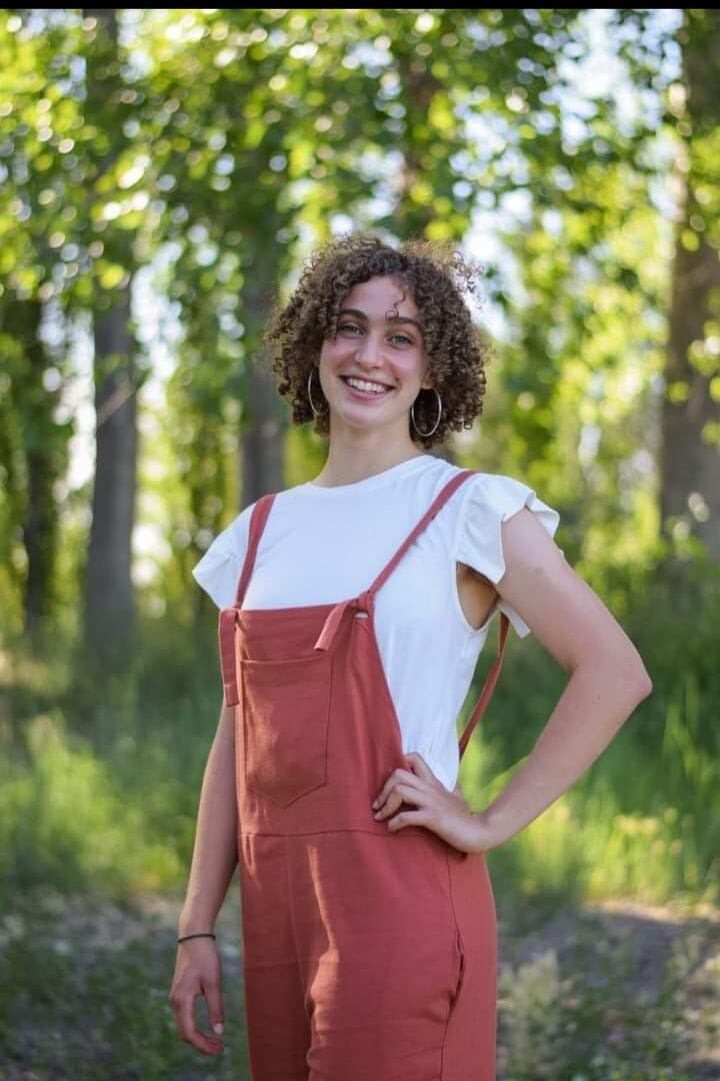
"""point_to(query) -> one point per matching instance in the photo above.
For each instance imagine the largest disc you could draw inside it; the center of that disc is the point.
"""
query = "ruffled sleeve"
(219, 569)
(490, 500)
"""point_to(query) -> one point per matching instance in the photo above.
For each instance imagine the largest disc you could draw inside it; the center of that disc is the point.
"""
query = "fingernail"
(218, 1027)
(375, 803)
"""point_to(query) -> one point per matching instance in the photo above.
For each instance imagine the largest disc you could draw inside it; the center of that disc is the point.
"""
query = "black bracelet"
(198, 934)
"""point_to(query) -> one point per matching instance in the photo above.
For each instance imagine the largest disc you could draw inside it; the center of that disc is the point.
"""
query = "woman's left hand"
(445, 813)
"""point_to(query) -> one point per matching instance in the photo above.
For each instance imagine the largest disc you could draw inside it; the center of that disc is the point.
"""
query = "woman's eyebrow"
(390, 319)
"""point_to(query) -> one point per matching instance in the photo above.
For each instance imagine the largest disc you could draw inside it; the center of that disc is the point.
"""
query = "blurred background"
(163, 174)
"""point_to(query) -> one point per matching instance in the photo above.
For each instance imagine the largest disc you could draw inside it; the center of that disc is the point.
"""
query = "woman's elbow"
(629, 672)
(637, 676)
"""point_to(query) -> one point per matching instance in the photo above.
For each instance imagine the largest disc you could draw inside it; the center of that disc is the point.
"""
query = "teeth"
(361, 384)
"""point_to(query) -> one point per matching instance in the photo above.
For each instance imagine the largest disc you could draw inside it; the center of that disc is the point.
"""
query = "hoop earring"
(315, 411)
(434, 428)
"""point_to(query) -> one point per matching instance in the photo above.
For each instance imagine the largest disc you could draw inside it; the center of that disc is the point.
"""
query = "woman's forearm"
(215, 850)
(598, 699)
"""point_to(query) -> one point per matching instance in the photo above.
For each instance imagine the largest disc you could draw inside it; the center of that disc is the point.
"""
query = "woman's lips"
(365, 395)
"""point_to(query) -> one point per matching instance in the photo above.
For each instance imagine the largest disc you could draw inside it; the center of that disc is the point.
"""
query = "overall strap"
(424, 522)
(493, 674)
(259, 517)
(365, 601)
(488, 686)
(492, 677)
(227, 616)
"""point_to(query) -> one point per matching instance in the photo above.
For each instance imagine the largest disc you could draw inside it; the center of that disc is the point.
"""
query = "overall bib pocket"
(286, 713)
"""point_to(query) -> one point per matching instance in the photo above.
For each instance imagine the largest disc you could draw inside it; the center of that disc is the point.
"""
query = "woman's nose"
(369, 349)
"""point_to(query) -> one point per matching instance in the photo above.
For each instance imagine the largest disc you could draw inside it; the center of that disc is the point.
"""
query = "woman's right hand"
(197, 974)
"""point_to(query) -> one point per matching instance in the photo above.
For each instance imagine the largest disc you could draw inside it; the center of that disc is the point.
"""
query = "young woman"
(353, 609)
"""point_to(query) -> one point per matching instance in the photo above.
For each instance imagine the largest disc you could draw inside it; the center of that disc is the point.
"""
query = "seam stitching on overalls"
(458, 936)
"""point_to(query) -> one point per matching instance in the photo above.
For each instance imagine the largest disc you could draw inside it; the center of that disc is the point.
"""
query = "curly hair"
(435, 274)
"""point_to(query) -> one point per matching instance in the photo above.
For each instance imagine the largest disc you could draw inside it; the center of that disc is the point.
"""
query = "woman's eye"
(352, 326)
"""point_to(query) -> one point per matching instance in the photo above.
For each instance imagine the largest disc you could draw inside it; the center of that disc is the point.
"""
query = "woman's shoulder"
(218, 569)
(495, 497)
(490, 500)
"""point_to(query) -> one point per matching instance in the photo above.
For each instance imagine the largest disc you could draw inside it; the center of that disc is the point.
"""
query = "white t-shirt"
(322, 545)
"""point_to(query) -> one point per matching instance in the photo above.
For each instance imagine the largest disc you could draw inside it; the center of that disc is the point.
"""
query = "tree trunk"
(109, 603)
(41, 518)
(44, 455)
(690, 473)
(109, 608)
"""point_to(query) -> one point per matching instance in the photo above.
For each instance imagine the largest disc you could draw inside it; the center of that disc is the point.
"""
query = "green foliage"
(578, 1021)
(66, 818)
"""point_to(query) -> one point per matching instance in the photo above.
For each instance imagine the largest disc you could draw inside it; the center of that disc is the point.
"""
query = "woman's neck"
(348, 468)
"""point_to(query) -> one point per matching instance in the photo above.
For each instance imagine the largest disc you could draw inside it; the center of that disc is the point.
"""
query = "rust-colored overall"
(369, 955)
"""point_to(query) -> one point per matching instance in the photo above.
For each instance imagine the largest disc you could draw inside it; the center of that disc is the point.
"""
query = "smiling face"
(372, 371)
